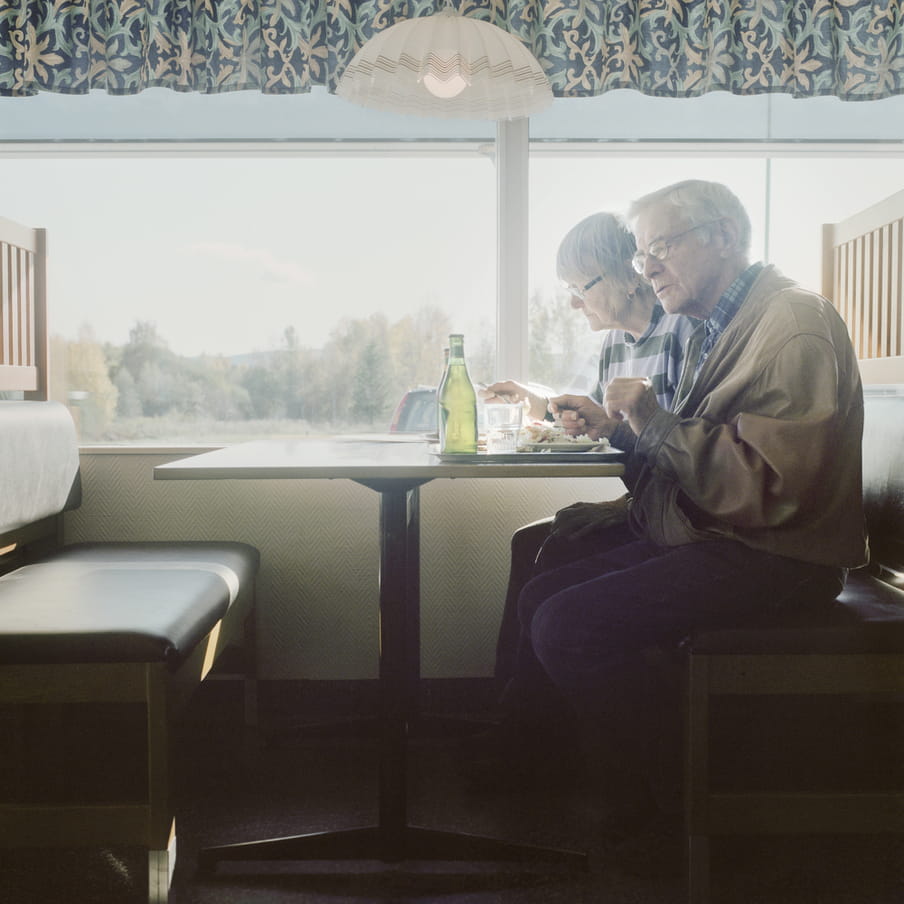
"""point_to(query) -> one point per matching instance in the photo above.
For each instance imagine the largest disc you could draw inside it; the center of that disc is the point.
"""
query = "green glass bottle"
(439, 390)
(457, 403)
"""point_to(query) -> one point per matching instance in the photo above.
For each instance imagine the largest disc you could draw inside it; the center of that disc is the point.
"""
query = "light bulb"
(451, 86)
(444, 75)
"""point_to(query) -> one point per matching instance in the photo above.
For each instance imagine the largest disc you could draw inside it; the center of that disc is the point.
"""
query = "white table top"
(359, 458)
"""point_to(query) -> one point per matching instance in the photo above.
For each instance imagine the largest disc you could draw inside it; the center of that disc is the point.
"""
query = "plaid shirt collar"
(731, 300)
(727, 307)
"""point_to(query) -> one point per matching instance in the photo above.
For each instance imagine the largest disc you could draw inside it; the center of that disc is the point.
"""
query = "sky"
(224, 253)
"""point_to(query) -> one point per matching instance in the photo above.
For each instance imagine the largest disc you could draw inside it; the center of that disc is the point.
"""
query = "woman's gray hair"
(600, 245)
(699, 202)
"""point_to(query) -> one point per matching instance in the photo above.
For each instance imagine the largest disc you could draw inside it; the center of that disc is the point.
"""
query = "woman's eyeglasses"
(581, 293)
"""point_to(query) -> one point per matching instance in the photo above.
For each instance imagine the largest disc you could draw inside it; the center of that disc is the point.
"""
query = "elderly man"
(748, 496)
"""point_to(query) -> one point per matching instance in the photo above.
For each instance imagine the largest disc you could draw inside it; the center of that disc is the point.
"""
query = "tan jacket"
(764, 447)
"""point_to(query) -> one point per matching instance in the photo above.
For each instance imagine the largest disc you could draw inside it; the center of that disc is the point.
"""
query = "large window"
(210, 282)
(206, 298)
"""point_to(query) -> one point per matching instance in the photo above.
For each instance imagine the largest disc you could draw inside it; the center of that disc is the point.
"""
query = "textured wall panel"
(319, 543)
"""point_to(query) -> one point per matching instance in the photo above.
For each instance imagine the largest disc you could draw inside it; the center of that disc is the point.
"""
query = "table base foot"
(372, 843)
(433, 844)
(351, 727)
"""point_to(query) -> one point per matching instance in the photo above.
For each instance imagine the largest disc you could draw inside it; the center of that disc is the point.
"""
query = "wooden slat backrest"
(24, 363)
(863, 275)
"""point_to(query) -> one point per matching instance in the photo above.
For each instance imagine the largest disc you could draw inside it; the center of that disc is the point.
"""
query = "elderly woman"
(594, 262)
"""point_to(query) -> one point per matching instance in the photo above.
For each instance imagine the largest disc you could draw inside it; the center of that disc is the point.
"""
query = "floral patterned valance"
(852, 49)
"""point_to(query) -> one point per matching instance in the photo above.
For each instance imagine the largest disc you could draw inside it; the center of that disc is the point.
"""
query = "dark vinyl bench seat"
(850, 654)
(123, 602)
(101, 625)
(868, 617)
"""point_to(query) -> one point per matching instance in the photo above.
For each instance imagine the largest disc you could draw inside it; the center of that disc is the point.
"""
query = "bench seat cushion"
(121, 602)
(868, 617)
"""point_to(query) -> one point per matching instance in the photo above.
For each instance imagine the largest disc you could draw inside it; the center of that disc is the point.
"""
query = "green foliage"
(415, 346)
(355, 380)
(559, 342)
(82, 379)
(144, 390)
(371, 384)
(263, 387)
(129, 402)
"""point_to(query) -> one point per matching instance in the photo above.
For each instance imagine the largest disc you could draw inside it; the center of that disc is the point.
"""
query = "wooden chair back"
(863, 276)
(24, 353)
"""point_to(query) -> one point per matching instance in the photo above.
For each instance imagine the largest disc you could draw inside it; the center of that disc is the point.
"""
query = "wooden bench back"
(30, 521)
(24, 364)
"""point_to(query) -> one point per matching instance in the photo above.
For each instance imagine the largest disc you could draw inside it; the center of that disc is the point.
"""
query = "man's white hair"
(699, 202)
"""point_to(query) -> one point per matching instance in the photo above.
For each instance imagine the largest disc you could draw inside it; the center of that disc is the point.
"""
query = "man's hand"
(631, 399)
(581, 414)
(581, 518)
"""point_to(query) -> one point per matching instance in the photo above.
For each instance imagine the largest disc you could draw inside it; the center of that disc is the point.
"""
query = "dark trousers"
(590, 626)
(533, 550)
(526, 544)
(528, 698)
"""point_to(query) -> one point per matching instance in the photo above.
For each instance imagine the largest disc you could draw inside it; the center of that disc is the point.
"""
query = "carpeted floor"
(230, 789)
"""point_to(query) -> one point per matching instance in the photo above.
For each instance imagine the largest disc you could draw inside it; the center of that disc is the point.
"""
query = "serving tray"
(606, 455)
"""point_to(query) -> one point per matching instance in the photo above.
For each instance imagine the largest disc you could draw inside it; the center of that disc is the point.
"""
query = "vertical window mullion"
(512, 224)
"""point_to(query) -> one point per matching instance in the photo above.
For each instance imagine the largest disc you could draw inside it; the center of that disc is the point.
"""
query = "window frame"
(512, 151)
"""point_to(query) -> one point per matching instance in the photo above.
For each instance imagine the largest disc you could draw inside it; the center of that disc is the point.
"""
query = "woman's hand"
(581, 414)
(581, 518)
(510, 391)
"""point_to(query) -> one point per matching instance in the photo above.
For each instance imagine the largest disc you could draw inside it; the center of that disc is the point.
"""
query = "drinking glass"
(503, 423)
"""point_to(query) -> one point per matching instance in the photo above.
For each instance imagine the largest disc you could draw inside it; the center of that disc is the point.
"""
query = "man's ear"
(729, 235)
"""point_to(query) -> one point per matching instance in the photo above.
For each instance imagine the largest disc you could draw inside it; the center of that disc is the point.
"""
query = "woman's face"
(605, 306)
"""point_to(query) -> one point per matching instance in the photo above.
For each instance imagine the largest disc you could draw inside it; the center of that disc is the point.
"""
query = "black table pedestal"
(392, 839)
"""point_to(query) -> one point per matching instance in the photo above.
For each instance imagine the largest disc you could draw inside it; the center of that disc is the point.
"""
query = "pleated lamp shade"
(446, 65)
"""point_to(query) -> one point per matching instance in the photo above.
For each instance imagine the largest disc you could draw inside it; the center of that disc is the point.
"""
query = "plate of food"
(565, 446)
(540, 455)
(547, 436)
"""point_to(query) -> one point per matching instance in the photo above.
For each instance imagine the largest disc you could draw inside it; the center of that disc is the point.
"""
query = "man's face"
(693, 275)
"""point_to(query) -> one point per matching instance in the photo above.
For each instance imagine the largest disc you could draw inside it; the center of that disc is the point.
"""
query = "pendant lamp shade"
(446, 65)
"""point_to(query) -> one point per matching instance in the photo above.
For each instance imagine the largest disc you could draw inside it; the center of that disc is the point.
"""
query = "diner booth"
(298, 529)
(287, 746)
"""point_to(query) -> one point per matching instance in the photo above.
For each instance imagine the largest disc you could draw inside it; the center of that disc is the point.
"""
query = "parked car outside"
(416, 412)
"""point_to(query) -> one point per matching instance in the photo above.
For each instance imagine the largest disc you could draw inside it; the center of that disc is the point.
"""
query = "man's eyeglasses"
(661, 247)
(581, 293)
